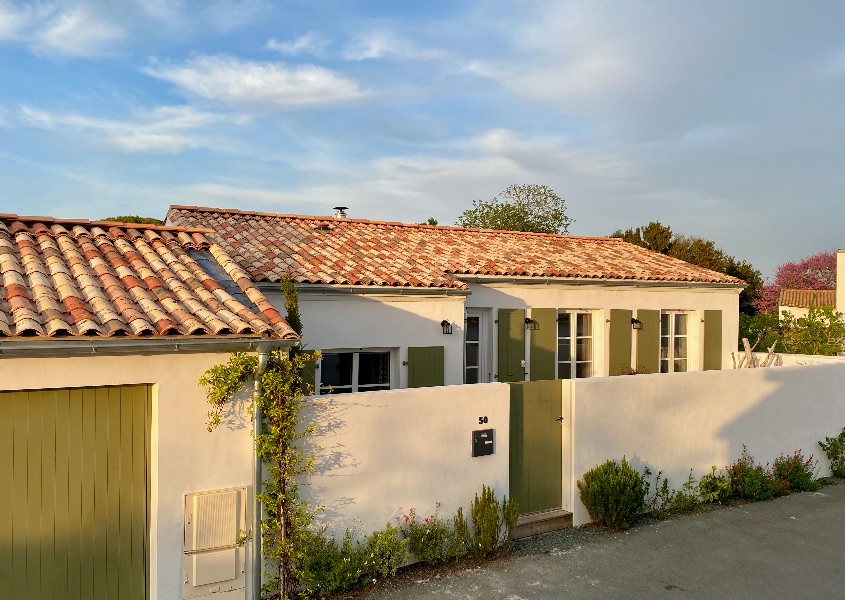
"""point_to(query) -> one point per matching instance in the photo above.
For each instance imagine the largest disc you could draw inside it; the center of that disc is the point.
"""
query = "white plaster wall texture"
(675, 423)
(184, 456)
(383, 453)
(840, 280)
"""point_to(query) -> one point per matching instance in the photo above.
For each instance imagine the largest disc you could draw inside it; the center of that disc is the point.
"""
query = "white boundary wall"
(382, 453)
(675, 423)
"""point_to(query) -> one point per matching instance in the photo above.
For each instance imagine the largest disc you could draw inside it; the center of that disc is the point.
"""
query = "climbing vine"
(278, 444)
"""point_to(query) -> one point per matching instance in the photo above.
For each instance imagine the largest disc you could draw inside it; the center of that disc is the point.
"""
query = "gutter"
(40, 347)
(363, 290)
(263, 351)
(587, 281)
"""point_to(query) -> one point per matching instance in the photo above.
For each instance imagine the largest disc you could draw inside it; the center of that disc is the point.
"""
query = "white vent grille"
(215, 520)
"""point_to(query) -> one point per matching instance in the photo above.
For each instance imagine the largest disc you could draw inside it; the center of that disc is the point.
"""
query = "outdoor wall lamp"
(447, 327)
(636, 323)
(531, 324)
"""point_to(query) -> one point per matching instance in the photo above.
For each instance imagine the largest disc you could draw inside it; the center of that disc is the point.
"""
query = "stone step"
(541, 522)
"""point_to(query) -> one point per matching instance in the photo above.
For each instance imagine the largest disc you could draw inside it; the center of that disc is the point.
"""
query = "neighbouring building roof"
(69, 278)
(803, 298)
(326, 250)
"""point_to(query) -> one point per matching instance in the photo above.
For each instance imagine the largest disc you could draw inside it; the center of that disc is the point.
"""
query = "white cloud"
(164, 129)
(228, 15)
(241, 82)
(386, 44)
(310, 43)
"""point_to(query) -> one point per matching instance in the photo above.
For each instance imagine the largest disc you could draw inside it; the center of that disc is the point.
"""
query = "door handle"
(559, 419)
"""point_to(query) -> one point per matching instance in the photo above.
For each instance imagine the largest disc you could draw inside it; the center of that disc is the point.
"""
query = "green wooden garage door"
(73, 493)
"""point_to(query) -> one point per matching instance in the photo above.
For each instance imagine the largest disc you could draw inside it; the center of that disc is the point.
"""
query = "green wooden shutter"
(425, 366)
(511, 344)
(712, 340)
(73, 512)
(309, 375)
(619, 357)
(543, 344)
(648, 341)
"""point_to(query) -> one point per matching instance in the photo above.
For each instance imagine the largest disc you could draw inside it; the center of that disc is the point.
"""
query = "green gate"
(536, 445)
(73, 506)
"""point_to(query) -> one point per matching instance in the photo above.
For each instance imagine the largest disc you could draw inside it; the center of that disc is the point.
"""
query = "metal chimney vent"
(340, 212)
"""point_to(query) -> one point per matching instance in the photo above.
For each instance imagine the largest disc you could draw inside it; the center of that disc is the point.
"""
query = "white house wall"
(184, 456)
(840, 279)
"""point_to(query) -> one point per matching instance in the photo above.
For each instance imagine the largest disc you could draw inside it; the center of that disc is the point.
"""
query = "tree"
(816, 272)
(135, 219)
(822, 331)
(697, 251)
(535, 208)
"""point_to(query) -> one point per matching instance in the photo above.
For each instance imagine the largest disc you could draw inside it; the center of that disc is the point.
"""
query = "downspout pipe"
(263, 352)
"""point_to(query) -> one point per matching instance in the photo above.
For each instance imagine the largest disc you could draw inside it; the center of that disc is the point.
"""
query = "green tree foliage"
(697, 251)
(822, 331)
(762, 330)
(135, 219)
(535, 208)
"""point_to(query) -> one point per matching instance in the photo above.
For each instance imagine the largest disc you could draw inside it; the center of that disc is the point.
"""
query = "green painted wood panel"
(543, 344)
(712, 340)
(426, 366)
(511, 344)
(619, 356)
(73, 465)
(648, 341)
(536, 437)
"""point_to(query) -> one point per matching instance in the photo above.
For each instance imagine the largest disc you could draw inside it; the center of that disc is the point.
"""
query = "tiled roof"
(326, 250)
(803, 298)
(63, 278)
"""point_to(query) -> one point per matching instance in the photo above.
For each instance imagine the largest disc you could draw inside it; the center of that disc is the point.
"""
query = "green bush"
(431, 540)
(385, 552)
(751, 481)
(492, 524)
(834, 448)
(798, 473)
(614, 494)
(714, 487)
(323, 568)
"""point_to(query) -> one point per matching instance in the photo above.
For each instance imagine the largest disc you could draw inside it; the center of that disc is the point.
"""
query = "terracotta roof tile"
(75, 278)
(323, 250)
(803, 298)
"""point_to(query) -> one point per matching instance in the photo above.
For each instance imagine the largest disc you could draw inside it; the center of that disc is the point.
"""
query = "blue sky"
(722, 119)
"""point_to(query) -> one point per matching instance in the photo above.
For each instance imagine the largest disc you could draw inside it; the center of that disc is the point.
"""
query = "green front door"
(73, 493)
(536, 445)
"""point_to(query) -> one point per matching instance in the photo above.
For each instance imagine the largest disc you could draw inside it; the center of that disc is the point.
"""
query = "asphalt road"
(793, 547)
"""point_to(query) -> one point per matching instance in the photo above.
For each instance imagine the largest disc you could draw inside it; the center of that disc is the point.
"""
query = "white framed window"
(674, 342)
(574, 344)
(355, 371)
(475, 346)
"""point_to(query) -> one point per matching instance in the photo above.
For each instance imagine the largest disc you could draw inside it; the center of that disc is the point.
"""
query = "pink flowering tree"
(816, 272)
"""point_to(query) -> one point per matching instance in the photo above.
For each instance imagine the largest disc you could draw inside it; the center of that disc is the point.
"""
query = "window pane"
(680, 324)
(564, 370)
(472, 355)
(681, 347)
(583, 369)
(336, 372)
(584, 349)
(680, 365)
(664, 366)
(373, 368)
(664, 324)
(664, 347)
(563, 350)
(471, 375)
(472, 329)
(372, 388)
(563, 325)
(584, 325)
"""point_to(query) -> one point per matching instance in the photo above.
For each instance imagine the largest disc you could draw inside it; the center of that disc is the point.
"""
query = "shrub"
(714, 487)
(667, 502)
(614, 494)
(492, 523)
(798, 473)
(751, 481)
(385, 552)
(323, 568)
(431, 540)
(834, 448)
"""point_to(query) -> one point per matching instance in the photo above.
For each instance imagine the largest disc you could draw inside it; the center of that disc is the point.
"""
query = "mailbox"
(483, 442)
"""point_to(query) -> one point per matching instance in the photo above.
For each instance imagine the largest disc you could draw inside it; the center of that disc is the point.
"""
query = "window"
(574, 344)
(344, 372)
(673, 342)
(475, 367)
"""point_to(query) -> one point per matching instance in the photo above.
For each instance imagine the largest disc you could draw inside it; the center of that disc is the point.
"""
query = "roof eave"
(528, 279)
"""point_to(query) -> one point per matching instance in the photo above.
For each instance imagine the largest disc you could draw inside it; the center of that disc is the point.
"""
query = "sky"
(724, 119)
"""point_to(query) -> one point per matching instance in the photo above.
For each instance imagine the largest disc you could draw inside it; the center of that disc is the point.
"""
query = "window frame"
(671, 338)
(356, 363)
(481, 315)
(574, 314)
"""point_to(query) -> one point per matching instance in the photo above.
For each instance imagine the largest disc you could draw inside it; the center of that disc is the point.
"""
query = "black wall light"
(636, 323)
(531, 324)
(447, 327)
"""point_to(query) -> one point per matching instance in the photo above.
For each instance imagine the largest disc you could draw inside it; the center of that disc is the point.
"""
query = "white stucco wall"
(675, 423)
(386, 452)
(840, 280)
(184, 457)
